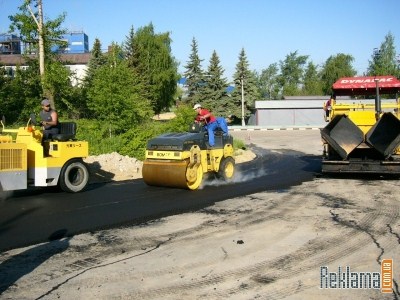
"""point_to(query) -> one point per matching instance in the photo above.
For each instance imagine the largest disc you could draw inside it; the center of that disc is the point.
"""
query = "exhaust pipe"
(378, 106)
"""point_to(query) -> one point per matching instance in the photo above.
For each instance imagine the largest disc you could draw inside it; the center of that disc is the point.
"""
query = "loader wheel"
(226, 168)
(74, 176)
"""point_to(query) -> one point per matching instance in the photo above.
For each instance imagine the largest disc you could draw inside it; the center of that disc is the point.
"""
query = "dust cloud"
(238, 177)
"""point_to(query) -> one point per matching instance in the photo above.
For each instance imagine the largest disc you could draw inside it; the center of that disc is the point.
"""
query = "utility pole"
(41, 42)
(242, 86)
(39, 24)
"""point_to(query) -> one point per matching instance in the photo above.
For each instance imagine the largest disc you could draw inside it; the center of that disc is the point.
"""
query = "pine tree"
(246, 80)
(194, 75)
(130, 49)
(97, 59)
(215, 95)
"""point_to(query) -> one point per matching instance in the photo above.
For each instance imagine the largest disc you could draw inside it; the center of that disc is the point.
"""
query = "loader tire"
(226, 169)
(74, 176)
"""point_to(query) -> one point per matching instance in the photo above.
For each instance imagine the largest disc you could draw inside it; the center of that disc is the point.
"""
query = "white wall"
(79, 72)
(290, 112)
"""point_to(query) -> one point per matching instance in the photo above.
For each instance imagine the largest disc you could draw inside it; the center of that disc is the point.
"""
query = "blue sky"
(267, 30)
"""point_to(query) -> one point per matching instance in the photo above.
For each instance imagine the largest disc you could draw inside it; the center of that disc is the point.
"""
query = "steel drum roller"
(172, 173)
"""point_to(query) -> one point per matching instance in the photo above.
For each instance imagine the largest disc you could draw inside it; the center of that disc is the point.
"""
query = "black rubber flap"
(384, 136)
(342, 135)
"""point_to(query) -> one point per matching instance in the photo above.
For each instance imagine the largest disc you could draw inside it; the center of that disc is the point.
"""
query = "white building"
(292, 111)
(77, 63)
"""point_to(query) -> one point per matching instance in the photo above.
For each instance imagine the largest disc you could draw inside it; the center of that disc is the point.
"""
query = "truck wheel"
(74, 176)
(226, 168)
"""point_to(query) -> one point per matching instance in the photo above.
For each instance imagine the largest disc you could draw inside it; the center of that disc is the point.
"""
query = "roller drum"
(171, 173)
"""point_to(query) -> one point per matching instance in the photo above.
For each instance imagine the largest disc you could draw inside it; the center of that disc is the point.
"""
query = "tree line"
(295, 75)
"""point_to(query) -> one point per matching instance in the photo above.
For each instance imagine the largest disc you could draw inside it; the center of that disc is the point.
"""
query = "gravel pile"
(113, 166)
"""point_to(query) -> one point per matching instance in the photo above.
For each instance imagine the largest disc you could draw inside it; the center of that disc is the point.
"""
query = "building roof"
(76, 58)
(67, 58)
(12, 59)
(286, 104)
(299, 98)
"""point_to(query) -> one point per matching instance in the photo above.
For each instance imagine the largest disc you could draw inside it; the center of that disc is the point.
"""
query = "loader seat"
(67, 132)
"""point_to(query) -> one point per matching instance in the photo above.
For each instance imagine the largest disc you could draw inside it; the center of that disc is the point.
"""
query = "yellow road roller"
(26, 160)
(363, 135)
(182, 160)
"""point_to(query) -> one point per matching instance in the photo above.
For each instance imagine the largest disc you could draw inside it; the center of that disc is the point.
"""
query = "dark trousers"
(48, 133)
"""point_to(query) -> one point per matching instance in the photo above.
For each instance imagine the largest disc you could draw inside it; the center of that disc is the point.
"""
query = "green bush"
(100, 136)
(239, 144)
(135, 139)
(184, 117)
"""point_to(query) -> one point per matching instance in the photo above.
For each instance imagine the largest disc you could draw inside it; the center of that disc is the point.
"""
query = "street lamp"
(377, 52)
(242, 84)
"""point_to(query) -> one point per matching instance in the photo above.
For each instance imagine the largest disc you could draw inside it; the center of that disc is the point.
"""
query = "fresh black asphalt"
(35, 216)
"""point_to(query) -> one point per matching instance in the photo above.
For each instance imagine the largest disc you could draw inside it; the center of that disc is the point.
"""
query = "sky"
(267, 30)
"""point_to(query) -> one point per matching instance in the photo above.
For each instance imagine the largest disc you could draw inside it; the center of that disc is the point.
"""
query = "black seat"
(67, 132)
(218, 132)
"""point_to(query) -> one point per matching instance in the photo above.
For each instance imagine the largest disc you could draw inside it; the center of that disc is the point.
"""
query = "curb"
(272, 129)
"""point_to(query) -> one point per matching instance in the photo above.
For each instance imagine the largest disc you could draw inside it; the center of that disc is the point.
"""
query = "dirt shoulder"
(268, 245)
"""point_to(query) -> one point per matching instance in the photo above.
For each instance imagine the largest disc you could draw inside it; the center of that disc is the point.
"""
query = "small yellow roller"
(181, 160)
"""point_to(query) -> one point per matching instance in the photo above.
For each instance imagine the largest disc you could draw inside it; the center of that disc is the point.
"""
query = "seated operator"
(211, 123)
(49, 120)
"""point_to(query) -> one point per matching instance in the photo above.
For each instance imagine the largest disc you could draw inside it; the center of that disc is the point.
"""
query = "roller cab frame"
(182, 160)
(27, 161)
(363, 137)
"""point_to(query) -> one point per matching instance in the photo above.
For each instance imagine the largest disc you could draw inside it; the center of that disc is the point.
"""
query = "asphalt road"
(30, 217)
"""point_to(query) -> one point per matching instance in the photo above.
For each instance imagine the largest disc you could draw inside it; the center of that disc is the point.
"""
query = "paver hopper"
(342, 135)
(384, 136)
(363, 137)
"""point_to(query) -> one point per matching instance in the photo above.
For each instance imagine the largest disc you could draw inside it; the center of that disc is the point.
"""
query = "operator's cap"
(196, 106)
(45, 102)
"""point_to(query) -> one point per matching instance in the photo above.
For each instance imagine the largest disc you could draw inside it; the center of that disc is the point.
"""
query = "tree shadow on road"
(17, 266)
